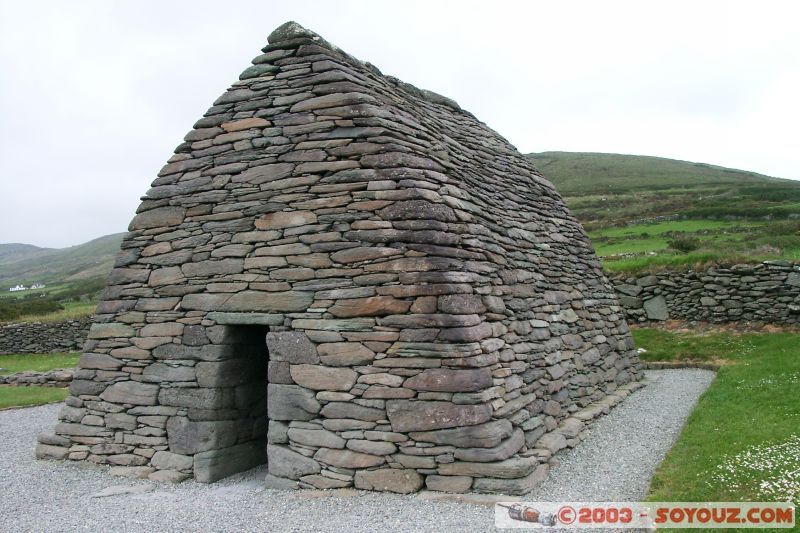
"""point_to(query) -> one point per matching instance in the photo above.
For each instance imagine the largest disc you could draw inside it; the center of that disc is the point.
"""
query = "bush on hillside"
(684, 244)
(13, 309)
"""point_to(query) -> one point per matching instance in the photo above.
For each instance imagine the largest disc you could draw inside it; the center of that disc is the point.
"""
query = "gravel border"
(615, 462)
(621, 451)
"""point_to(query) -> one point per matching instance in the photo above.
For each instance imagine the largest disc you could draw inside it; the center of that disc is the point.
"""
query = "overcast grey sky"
(94, 96)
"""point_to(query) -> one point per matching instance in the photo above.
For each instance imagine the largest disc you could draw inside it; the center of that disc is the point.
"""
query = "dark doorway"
(240, 383)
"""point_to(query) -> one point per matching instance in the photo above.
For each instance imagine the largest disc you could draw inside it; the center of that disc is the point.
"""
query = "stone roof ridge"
(292, 33)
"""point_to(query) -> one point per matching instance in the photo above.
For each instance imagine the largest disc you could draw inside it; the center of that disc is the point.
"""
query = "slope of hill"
(643, 211)
(15, 252)
(584, 172)
(614, 189)
(26, 264)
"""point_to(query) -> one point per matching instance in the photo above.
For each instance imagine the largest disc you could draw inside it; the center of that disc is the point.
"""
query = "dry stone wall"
(767, 292)
(39, 337)
(351, 278)
(59, 377)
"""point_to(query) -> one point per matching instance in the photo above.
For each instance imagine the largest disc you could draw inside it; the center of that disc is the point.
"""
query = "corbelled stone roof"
(415, 299)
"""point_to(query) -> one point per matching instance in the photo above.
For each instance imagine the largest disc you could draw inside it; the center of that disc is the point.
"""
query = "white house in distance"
(24, 288)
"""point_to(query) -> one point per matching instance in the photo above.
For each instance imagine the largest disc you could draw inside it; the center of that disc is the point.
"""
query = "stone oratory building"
(354, 281)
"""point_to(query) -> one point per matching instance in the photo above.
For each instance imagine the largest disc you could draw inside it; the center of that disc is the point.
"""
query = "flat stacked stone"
(431, 308)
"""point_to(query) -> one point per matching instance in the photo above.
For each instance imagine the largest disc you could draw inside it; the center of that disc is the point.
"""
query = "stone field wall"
(768, 292)
(355, 281)
(59, 377)
(38, 337)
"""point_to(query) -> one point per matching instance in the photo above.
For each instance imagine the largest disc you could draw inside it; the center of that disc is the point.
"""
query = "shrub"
(17, 308)
(684, 244)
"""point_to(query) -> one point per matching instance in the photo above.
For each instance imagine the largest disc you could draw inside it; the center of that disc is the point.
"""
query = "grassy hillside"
(26, 264)
(73, 277)
(644, 211)
(14, 251)
(585, 172)
(613, 189)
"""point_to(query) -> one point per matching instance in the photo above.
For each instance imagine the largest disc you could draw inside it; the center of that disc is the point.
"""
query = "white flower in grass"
(775, 467)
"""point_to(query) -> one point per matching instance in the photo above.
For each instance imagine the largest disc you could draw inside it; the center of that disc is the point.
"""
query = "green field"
(665, 228)
(742, 441)
(29, 396)
(652, 244)
(10, 364)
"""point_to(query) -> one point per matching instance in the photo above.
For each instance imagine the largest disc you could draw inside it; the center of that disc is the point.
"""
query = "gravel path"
(622, 450)
(615, 461)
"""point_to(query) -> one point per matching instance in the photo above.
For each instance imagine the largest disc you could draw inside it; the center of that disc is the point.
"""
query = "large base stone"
(479, 436)
(403, 481)
(46, 451)
(280, 483)
(135, 472)
(409, 415)
(286, 463)
(656, 308)
(189, 437)
(168, 476)
(512, 486)
(216, 464)
(325, 482)
(513, 468)
(457, 484)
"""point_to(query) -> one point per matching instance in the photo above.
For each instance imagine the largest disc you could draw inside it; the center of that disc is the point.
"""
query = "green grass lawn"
(30, 396)
(39, 362)
(742, 441)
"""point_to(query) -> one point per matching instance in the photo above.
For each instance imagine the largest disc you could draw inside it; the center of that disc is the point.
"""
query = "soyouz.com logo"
(649, 515)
